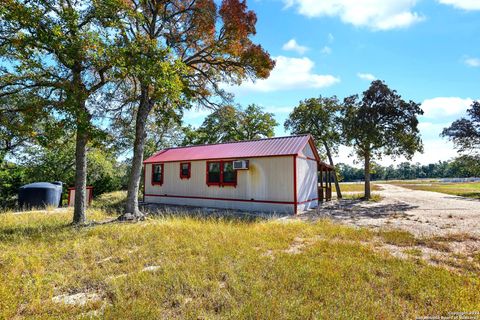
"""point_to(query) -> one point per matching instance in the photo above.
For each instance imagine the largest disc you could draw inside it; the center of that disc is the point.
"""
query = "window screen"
(185, 170)
(229, 175)
(157, 174)
(213, 172)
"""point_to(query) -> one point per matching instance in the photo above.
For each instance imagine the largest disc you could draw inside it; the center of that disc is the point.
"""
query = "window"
(185, 170)
(157, 174)
(221, 173)
(229, 175)
(213, 173)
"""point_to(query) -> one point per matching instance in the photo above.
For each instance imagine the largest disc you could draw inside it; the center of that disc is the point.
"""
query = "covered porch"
(325, 178)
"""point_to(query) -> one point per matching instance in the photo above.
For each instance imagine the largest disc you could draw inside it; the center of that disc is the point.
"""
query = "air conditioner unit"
(240, 165)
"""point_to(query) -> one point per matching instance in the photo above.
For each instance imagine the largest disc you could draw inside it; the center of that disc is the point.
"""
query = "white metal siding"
(308, 152)
(267, 179)
(307, 183)
(224, 204)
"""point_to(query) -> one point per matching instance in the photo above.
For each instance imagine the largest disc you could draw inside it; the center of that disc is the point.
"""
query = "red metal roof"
(281, 146)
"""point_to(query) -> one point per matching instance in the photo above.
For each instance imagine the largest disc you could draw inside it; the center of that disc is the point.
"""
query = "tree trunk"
(330, 160)
(132, 212)
(79, 212)
(367, 176)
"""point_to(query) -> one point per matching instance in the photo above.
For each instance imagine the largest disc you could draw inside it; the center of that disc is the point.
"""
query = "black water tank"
(40, 195)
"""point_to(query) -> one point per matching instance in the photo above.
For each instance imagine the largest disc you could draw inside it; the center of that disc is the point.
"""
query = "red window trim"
(221, 183)
(189, 170)
(156, 183)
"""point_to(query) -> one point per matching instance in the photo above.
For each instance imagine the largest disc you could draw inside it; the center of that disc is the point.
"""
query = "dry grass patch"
(398, 238)
(212, 268)
(458, 252)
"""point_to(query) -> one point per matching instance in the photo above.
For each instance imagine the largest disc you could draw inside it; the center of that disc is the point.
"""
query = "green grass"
(215, 269)
(374, 197)
(354, 187)
(113, 202)
(466, 189)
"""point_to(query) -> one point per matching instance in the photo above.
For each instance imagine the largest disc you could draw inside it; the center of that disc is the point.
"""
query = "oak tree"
(231, 123)
(321, 117)
(57, 52)
(465, 132)
(203, 43)
(380, 124)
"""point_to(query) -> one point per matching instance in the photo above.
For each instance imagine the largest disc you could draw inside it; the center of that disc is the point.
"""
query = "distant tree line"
(461, 167)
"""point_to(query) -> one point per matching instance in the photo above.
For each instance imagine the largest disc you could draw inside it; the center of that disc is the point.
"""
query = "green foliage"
(12, 177)
(163, 130)
(461, 167)
(465, 166)
(58, 164)
(382, 123)
(230, 123)
(20, 125)
(60, 55)
(465, 132)
(111, 202)
(379, 124)
(320, 117)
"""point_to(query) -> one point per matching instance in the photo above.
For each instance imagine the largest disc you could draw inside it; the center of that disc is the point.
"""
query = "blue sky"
(428, 50)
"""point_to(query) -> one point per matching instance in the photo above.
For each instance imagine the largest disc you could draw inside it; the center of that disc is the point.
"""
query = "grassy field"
(211, 269)
(354, 187)
(466, 189)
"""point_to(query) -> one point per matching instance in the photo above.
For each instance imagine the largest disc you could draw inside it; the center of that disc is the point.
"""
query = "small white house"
(269, 175)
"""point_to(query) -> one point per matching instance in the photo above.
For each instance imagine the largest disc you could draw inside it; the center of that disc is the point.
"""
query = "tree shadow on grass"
(358, 210)
(38, 232)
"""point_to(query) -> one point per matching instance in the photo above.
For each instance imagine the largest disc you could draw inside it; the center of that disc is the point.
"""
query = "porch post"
(320, 190)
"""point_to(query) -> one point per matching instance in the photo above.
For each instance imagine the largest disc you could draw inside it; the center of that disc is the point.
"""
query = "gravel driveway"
(422, 213)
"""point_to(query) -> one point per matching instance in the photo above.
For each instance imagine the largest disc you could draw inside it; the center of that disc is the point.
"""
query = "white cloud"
(442, 107)
(290, 73)
(326, 50)
(435, 150)
(366, 76)
(472, 62)
(375, 14)
(292, 45)
(331, 38)
(463, 4)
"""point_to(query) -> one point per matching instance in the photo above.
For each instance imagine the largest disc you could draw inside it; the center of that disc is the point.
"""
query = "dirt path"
(422, 213)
